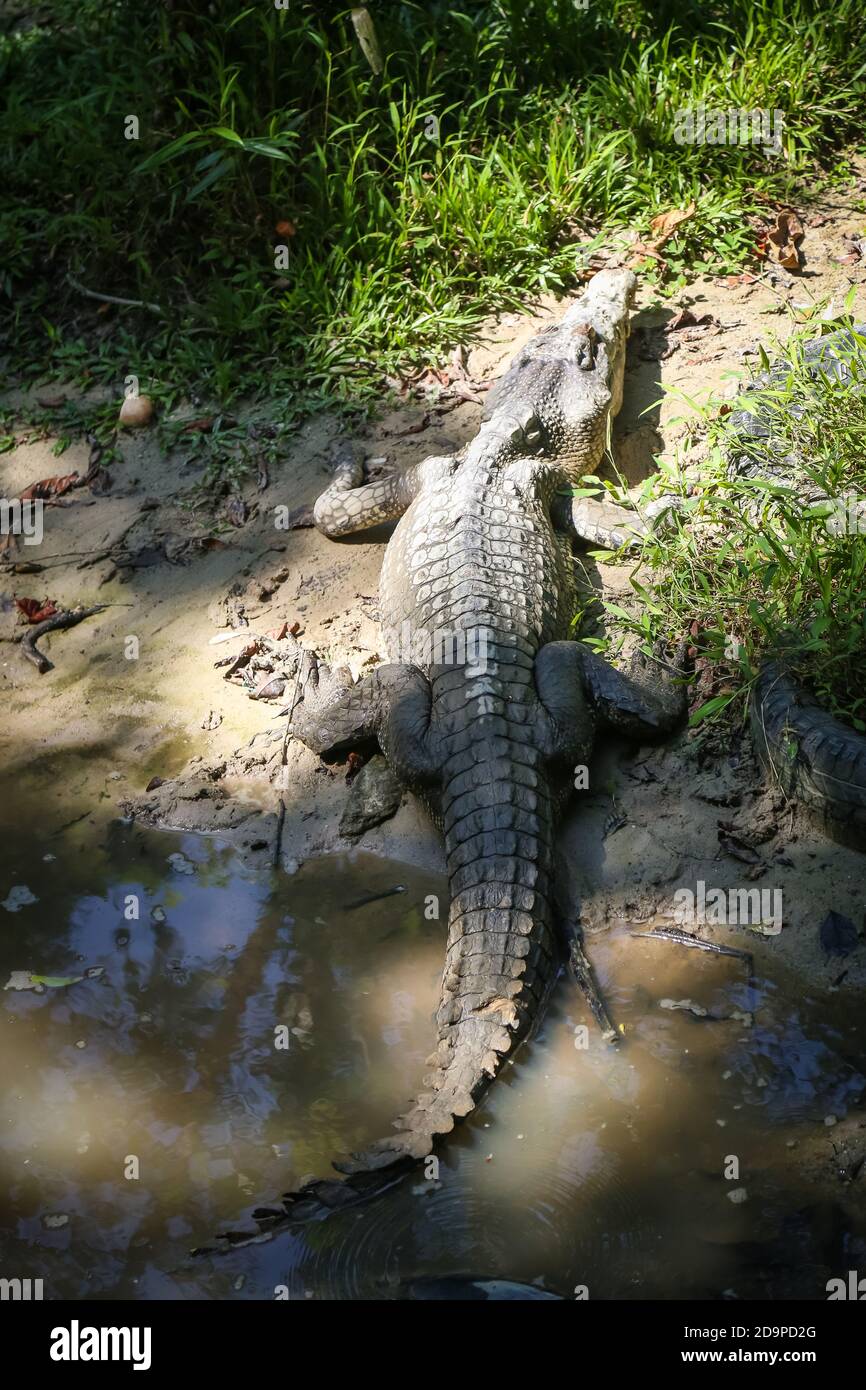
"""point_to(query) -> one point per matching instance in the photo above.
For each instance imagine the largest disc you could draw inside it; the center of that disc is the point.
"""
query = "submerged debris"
(181, 864)
(374, 897)
(687, 1005)
(18, 897)
(839, 936)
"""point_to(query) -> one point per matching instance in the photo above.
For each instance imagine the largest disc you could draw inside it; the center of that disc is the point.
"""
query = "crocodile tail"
(501, 954)
(501, 960)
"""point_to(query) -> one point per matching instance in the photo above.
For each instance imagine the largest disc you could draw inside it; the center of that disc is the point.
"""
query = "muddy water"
(146, 1107)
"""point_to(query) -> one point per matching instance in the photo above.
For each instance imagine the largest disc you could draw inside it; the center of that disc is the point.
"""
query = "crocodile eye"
(533, 435)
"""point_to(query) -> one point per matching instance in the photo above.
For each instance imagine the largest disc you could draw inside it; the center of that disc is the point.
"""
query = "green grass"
(553, 122)
(774, 566)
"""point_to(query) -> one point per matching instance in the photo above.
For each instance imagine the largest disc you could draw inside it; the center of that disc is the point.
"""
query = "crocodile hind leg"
(601, 523)
(642, 703)
(566, 727)
(576, 689)
(391, 705)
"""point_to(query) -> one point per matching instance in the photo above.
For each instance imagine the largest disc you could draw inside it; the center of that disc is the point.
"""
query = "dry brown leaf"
(48, 488)
(686, 319)
(664, 226)
(785, 237)
(36, 612)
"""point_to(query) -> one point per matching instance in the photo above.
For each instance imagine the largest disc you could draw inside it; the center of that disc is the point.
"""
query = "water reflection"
(149, 1107)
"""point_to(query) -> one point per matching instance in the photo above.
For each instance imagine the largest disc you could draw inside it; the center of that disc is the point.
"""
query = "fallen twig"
(684, 938)
(69, 618)
(287, 733)
(581, 971)
(113, 298)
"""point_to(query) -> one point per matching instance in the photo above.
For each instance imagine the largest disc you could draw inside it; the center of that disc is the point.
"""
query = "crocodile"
(496, 707)
(817, 759)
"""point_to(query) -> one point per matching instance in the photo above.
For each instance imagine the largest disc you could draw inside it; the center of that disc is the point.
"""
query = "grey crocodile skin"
(485, 708)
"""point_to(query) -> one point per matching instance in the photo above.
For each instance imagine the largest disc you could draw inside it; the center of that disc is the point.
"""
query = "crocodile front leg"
(604, 523)
(349, 504)
(599, 522)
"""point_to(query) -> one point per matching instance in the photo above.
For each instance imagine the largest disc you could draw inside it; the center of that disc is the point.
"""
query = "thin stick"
(113, 298)
(60, 620)
(281, 812)
(684, 938)
(581, 970)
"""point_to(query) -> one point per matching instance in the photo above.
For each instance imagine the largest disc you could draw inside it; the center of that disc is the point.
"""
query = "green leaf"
(56, 981)
(619, 612)
(271, 151)
(167, 152)
(212, 176)
(225, 134)
(711, 707)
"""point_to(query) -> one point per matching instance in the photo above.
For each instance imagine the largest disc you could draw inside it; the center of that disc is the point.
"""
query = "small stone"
(55, 1221)
(738, 1196)
(157, 914)
(81, 1043)
(830, 1120)
(375, 797)
(136, 412)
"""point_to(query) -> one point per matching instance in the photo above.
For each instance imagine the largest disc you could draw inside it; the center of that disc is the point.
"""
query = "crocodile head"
(558, 396)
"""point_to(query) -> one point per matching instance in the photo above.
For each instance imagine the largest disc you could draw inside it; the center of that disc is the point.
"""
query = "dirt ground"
(652, 819)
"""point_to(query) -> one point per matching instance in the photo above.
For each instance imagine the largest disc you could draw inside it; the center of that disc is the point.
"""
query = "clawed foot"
(321, 690)
(661, 680)
(348, 468)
